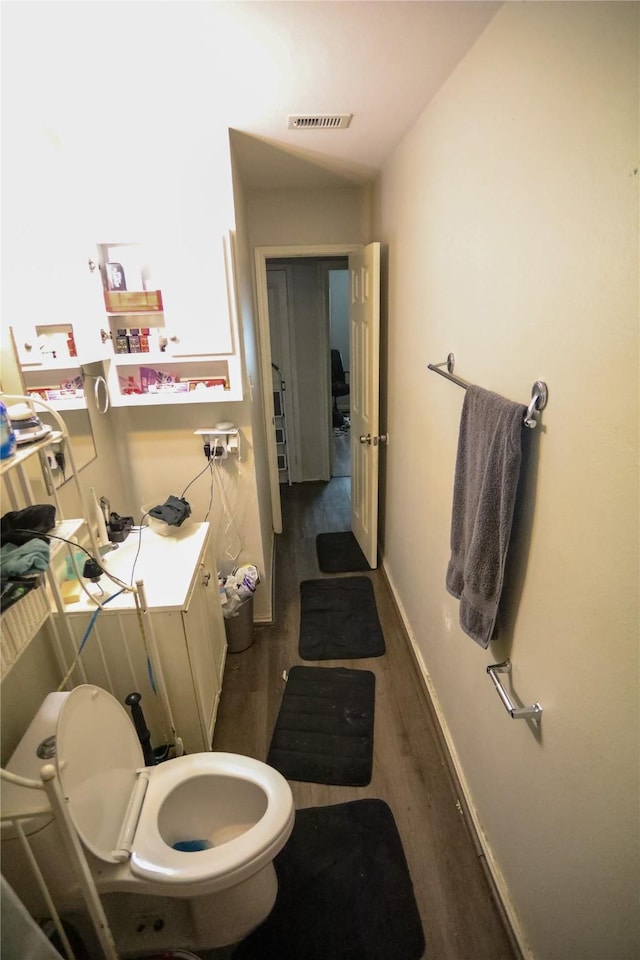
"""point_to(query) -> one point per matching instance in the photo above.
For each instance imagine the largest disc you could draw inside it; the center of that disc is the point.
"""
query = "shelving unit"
(152, 357)
(49, 365)
(22, 621)
(280, 427)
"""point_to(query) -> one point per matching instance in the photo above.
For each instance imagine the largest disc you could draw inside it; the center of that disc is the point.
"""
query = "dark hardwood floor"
(461, 920)
(341, 464)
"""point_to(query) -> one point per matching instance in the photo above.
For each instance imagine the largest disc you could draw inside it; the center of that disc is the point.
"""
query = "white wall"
(510, 212)
(329, 215)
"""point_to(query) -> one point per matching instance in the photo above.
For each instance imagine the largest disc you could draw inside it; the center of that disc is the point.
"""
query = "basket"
(19, 625)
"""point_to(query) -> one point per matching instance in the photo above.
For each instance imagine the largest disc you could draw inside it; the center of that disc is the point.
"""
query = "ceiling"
(180, 69)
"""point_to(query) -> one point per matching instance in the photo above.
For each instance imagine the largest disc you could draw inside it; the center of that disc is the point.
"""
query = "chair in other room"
(339, 386)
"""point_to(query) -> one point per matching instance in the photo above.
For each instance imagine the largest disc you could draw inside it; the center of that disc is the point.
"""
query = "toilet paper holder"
(534, 712)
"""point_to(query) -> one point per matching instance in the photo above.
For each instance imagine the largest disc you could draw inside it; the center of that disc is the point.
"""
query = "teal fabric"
(32, 557)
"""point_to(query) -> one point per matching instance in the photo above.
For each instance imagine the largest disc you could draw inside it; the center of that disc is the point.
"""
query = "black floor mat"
(324, 730)
(344, 891)
(339, 620)
(340, 553)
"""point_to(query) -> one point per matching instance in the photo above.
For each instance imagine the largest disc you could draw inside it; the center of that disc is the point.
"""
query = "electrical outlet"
(219, 443)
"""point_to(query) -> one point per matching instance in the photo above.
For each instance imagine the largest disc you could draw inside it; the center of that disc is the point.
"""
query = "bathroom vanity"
(173, 650)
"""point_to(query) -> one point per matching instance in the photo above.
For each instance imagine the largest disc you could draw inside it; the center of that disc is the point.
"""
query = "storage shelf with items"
(49, 364)
(22, 619)
(167, 380)
(153, 357)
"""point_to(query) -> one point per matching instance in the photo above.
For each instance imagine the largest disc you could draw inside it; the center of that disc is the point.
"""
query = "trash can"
(239, 628)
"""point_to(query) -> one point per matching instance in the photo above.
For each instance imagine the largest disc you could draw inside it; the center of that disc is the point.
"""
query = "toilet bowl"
(181, 853)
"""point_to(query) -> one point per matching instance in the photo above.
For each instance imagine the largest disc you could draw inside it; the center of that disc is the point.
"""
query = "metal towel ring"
(96, 391)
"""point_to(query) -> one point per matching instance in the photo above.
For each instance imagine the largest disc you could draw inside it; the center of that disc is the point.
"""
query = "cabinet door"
(206, 647)
(200, 304)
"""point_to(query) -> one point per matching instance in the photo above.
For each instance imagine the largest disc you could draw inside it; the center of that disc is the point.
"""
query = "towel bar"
(539, 391)
(533, 712)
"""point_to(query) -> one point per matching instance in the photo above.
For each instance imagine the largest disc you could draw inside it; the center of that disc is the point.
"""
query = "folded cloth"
(31, 557)
(484, 495)
(40, 517)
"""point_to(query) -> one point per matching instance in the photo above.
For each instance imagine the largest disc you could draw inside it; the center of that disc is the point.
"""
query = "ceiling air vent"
(336, 121)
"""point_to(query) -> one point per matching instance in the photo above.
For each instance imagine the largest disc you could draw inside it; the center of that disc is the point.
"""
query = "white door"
(364, 378)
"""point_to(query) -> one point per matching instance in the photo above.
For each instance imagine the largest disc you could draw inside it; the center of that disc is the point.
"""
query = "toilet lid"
(98, 754)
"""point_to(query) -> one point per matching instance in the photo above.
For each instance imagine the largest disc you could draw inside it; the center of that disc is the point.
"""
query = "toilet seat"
(116, 803)
(153, 859)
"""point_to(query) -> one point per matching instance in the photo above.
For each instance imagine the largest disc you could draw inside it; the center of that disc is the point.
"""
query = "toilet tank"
(25, 762)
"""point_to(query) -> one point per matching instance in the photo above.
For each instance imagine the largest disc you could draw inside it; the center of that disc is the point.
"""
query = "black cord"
(194, 479)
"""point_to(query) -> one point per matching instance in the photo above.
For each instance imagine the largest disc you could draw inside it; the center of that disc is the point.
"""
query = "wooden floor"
(341, 464)
(460, 918)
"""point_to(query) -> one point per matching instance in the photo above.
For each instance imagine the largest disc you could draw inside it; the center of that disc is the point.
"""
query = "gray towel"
(484, 494)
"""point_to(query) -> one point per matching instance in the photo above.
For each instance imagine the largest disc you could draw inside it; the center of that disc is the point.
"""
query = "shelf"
(144, 359)
(27, 450)
(124, 376)
(67, 529)
(60, 363)
(133, 302)
(68, 403)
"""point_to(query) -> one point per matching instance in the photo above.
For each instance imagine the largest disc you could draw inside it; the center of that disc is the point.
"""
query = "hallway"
(460, 919)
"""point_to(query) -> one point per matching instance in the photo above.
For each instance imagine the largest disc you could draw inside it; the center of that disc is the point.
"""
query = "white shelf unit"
(126, 373)
(156, 356)
(21, 622)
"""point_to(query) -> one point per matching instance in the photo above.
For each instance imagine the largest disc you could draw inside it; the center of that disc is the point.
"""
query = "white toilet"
(181, 853)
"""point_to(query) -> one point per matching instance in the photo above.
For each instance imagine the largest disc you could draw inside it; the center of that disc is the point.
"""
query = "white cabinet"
(174, 652)
(168, 340)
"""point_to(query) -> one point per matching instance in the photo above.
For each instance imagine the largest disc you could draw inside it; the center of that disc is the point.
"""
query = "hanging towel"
(484, 494)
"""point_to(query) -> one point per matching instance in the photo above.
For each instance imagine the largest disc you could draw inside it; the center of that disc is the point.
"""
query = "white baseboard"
(496, 875)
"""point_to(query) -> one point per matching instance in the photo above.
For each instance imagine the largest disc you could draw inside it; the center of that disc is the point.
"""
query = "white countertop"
(164, 564)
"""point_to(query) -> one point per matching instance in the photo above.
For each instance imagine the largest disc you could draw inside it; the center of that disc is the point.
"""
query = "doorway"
(308, 336)
(337, 280)
(308, 300)
(364, 328)
(317, 434)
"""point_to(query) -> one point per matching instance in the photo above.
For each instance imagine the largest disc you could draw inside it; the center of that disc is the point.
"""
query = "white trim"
(268, 618)
(492, 865)
(261, 255)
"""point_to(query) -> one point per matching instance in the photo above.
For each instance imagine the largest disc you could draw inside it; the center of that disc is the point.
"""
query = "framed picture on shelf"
(115, 276)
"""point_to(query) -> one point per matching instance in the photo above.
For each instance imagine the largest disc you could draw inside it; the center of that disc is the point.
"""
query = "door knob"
(374, 440)
(366, 439)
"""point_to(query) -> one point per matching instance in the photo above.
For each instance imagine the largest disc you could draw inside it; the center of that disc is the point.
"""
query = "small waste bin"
(239, 628)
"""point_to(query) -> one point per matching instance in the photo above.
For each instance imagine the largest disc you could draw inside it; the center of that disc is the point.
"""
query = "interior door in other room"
(364, 320)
